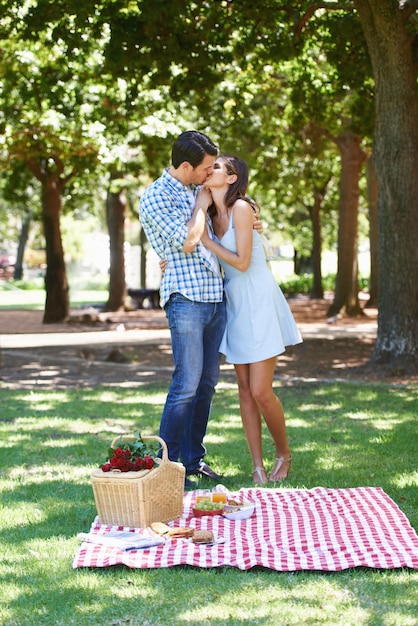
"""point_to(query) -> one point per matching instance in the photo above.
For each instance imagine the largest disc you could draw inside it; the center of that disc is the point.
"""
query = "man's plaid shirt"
(164, 211)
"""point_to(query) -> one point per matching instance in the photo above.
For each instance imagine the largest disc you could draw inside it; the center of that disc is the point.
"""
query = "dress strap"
(231, 220)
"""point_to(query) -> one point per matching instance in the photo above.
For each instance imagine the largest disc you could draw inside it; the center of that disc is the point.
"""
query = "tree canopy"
(82, 84)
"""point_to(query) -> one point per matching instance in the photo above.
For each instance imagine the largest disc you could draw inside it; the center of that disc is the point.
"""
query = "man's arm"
(162, 225)
(197, 222)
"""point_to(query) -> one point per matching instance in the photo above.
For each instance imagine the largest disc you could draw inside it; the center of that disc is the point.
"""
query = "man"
(173, 215)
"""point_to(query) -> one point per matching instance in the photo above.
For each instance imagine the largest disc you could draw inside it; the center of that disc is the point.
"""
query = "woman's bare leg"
(261, 385)
(251, 421)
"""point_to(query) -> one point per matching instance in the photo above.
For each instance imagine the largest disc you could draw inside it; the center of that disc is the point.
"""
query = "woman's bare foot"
(281, 469)
(259, 476)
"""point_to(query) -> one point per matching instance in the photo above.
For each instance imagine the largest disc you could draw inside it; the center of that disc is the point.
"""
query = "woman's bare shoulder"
(242, 207)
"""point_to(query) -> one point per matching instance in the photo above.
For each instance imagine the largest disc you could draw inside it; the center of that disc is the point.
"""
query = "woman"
(259, 321)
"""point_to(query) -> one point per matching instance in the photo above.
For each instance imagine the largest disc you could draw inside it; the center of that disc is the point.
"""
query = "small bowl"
(232, 505)
(210, 512)
(238, 512)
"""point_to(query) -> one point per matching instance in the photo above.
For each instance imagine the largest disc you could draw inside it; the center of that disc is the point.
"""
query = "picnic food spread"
(290, 530)
(219, 504)
(203, 536)
(197, 536)
(210, 504)
(207, 507)
(182, 532)
(239, 512)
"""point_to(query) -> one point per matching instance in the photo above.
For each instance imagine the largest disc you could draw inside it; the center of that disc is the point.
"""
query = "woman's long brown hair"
(238, 189)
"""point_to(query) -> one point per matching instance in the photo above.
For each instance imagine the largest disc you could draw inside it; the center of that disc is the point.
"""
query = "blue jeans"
(196, 331)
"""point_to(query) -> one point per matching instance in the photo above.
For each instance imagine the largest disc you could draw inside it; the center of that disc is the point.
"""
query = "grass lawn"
(12, 297)
(342, 435)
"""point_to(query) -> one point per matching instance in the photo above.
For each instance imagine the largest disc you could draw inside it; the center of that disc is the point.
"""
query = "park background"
(321, 100)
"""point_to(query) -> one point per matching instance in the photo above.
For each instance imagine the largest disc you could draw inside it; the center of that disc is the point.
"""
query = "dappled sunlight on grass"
(337, 602)
(152, 401)
(298, 422)
(358, 415)
(45, 396)
(341, 435)
(38, 474)
(57, 443)
(24, 513)
(322, 410)
(403, 480)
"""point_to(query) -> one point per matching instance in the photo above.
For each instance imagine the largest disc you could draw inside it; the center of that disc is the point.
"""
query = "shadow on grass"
(341, 435)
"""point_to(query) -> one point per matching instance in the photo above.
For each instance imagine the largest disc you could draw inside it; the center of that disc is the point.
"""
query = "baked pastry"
(160, 528)
(202, 536)
(181, 532)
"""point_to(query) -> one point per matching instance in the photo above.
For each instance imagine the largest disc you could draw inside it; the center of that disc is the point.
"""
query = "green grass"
(32, 298)
(342, 435)
(31, 294)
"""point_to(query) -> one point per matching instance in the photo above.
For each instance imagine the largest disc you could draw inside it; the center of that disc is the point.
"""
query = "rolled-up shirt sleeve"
(164, 211)
(164, 222)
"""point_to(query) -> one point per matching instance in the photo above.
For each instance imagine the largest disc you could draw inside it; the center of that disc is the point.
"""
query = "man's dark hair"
(191, 146)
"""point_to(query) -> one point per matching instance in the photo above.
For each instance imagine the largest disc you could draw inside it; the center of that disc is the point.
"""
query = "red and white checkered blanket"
(291, 529)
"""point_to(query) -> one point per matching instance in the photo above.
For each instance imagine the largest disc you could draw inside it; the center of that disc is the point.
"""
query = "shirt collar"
(176, 184)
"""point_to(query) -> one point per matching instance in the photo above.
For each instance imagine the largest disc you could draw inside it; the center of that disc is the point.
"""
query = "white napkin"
(122, 540)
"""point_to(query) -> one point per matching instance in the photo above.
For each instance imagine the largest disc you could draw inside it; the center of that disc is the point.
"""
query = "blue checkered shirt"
(164, 210)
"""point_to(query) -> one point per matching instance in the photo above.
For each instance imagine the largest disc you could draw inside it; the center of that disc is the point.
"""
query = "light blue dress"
(259, 321)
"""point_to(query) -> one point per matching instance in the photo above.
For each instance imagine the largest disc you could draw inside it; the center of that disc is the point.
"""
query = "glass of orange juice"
(203, 495)
(219, 497)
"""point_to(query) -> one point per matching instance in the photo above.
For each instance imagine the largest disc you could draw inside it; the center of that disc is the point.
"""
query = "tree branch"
(59, 166)
(34, 167)
(408, 7)
(67, 178)
(332, 6)
(63, 180)
(312, 128)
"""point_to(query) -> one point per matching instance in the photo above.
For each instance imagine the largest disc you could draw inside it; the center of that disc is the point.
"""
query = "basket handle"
(134, 438)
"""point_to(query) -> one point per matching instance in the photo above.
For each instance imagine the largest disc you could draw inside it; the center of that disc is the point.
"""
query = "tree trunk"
(143, 269)
(115, 216)
(372, 195)
(395, 155)
(314, 212)
(57, 305)
(23, 239)
(346, 288)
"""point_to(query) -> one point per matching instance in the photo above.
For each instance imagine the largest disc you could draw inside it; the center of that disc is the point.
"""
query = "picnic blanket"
(291, 529)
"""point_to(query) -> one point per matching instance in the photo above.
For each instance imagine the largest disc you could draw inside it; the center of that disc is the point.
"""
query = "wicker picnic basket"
(137, 499)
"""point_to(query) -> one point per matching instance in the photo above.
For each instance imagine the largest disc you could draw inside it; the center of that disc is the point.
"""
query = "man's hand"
(204, 198)
(205, 237)
(197, 222)
(163, 265)
(258, 226)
